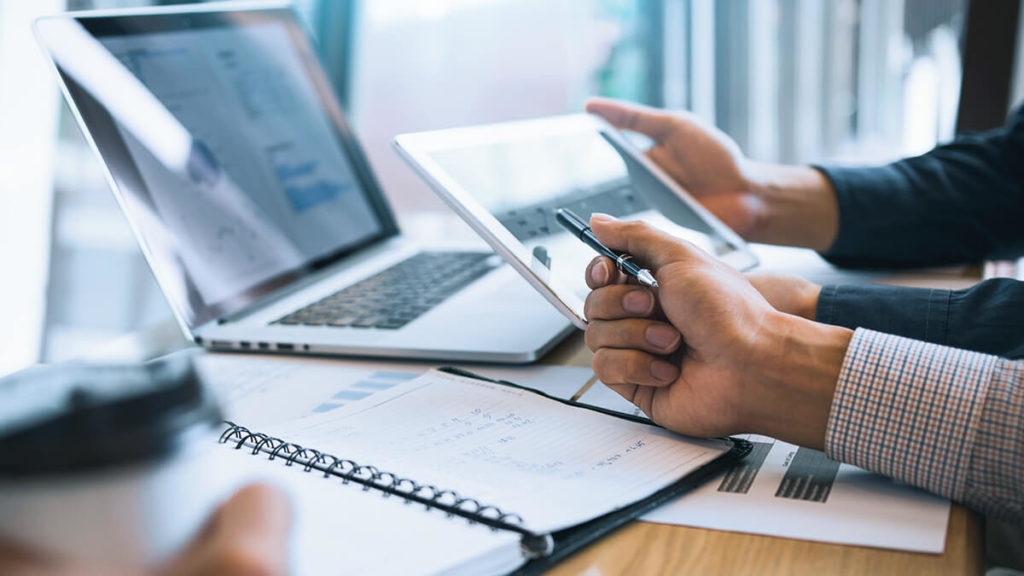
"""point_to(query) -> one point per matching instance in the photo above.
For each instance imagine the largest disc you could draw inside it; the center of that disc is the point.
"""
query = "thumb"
(247, 535)
(651, 247)
(651, 122)
(258, 519)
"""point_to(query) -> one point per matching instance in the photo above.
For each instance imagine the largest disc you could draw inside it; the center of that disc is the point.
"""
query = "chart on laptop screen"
(267, 186)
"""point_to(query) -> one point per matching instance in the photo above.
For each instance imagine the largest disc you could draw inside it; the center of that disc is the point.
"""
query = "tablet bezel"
(416, 149)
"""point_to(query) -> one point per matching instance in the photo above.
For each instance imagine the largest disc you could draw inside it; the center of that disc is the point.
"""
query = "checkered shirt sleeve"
(944, 419)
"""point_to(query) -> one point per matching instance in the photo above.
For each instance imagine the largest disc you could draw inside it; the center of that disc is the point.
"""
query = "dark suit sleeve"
(961, 202)
(988, 317)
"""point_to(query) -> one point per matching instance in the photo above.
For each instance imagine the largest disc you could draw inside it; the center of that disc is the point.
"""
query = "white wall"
(29, 106)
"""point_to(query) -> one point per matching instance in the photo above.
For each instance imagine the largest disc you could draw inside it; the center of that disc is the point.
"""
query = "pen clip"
(621, 260)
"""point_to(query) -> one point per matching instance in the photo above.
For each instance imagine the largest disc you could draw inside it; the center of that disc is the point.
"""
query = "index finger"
(651, 122)
(651, 247)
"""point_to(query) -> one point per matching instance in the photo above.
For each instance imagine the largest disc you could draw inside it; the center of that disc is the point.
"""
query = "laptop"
(254, 204)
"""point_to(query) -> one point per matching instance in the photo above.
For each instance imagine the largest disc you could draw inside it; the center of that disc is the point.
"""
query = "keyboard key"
(397, 295)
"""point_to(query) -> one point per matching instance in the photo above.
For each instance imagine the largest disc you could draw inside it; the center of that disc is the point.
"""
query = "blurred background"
(847, 81)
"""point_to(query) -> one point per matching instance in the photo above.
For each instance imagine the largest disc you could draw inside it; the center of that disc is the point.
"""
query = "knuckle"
(590, 337)
(627, 331)
(639, 367)
(621, 334)
(588, 306)
(601, 304)
(604, 367)
(598, 364)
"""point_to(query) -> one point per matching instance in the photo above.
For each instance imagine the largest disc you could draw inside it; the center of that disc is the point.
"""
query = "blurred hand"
(246, 536)
(701, 158)
(762, 202)
(706, 355)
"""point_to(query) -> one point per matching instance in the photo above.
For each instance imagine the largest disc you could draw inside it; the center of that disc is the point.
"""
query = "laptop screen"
(230, 156)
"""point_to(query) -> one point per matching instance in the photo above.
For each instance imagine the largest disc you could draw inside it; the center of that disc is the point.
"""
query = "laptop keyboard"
(397, 295)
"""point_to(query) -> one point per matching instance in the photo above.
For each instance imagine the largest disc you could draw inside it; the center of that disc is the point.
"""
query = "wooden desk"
(652, 549)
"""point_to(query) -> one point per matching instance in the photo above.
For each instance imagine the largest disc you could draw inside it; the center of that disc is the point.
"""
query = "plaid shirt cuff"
(910, 410)
(995, 482)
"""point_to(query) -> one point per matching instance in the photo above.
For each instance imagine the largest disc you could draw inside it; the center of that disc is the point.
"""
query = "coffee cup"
(98, 463)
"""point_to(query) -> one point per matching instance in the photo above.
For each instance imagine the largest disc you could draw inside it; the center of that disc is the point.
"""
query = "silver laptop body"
(251, 199)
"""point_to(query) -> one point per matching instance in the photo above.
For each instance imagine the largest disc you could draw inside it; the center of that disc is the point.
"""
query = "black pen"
(623, 261)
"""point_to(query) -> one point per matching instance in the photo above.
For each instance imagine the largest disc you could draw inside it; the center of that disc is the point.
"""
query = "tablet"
(507, 180)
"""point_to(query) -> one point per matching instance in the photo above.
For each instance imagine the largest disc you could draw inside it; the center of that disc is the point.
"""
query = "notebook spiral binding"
(370, 477)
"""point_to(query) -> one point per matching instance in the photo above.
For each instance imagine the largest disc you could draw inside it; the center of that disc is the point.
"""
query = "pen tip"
(647, 279)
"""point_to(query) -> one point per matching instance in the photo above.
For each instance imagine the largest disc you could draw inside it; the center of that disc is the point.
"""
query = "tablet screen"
(520, 174)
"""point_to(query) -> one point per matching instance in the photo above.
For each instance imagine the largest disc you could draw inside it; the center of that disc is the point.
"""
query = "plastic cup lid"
(80, 417)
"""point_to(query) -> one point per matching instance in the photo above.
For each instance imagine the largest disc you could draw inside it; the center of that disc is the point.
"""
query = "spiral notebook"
(528, 479)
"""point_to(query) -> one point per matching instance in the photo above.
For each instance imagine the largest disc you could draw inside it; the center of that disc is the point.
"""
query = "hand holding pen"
(625, 263)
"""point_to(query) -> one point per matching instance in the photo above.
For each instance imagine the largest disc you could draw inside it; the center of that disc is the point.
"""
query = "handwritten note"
(552, 464)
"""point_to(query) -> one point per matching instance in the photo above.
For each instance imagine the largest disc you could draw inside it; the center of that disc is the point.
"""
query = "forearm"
(935, 417)
(797, 364)
(988, 317)
(961, 202)
(796, 206)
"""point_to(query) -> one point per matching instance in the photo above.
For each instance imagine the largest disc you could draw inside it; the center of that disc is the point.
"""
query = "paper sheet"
(783, 490)
(256, 390)
(553, 465)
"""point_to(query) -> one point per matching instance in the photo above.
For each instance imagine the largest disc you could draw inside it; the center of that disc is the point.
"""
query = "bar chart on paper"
(784, 490)
(261, 390)
(809, 476)
(795, 492)
(364, 388)
(740, 478)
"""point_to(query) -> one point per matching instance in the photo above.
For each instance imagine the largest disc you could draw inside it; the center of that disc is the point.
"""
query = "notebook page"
(552, 464)
(342, 529)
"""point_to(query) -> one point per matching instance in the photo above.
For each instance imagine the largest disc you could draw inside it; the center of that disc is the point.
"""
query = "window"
(812, 80)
